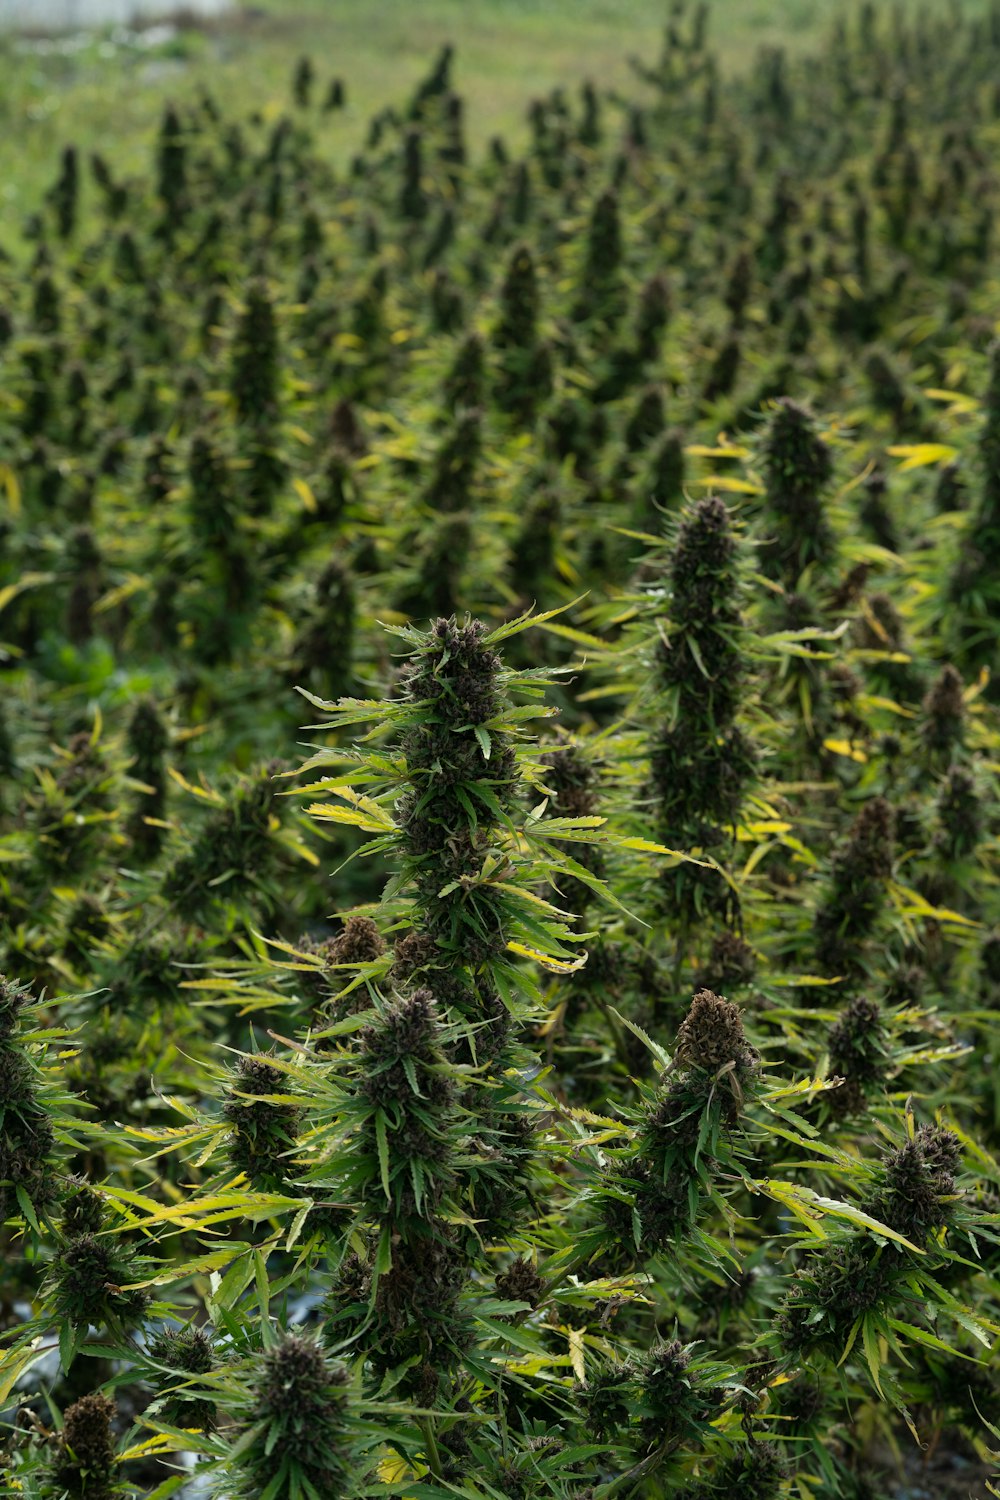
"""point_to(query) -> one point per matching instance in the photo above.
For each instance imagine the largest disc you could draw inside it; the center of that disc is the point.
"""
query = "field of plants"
(499, 906)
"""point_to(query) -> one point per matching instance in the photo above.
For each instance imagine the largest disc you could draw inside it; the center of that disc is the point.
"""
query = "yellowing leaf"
(912, 904)
(576, 1354)
(698, 450)
(554, 965)
(580, 636)
(305, 494)
(645, 846)
(922, 455)
(199, 1212)
(364, 813)
(794, 981)
(196, 791)
(11, 488)
(26, 581)
(731, 486)
(961, 405)
(162, 1442)
(118, 595)
(844, 747)
(15, 1365)
(296, 847)
(814, 1205)
(761, 851)
(394, 1470)
(347, 815)
(785, 1193)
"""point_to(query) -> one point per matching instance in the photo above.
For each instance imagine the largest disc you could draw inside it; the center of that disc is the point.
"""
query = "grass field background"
(107, 92)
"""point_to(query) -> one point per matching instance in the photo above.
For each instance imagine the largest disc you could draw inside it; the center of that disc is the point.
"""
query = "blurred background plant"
(567, 1067)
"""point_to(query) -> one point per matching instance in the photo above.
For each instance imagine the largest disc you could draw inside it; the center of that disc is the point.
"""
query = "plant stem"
(430, 1441)
(631, 1476)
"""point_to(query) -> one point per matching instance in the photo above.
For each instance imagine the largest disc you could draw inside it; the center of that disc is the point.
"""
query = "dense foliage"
(573, 1072)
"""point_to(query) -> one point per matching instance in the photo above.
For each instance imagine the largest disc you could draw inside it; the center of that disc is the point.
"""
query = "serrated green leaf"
(382, 1140)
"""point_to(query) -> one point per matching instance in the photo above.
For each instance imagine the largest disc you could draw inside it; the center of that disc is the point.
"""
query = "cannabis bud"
(711, 1037)
(520, 1282)
(85, 1463)
(918, 1183)
(731, 962)
(600, 290)
(944, 712)
(147, 743)
(27, 1137)
(359, 942)
(858, 1052)
(672, 1398)
(232, 851)
(652, 1195)
(89, 1282)
(83, 1209)
(256, 360)
(412, 197)
(325, 645)
(263, 1132)
(464, 383)
(188, 1351)
(518, 302)
(608, 1401)
(652, 316)
(296, 1425)
(960, 813)
(755, 1472)
(797, 468)
(402, 1076)
(860, 869)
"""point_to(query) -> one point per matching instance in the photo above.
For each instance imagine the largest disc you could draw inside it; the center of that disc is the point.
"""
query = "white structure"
(76, 15)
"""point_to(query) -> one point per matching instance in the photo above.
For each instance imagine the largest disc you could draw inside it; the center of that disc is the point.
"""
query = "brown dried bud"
(711, 1036)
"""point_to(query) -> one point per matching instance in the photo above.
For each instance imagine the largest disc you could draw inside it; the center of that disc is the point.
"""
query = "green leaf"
(409, 1068)
(234, 1283)
(528, 619)
(382, 1138)
(27, 1207)
(921, 1336)
(263, 1289)
(980, 1328)
(277, 1484)
(578, 829)
(851, 1338)
(662, 1057)
(70, 1339)
(297, 1223)
(485, 743)
(516, 1336)
(383, 1256)
(168, 1487)
(417, 1179)
(383, 1260)
(870, 1342)
(695, 650)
